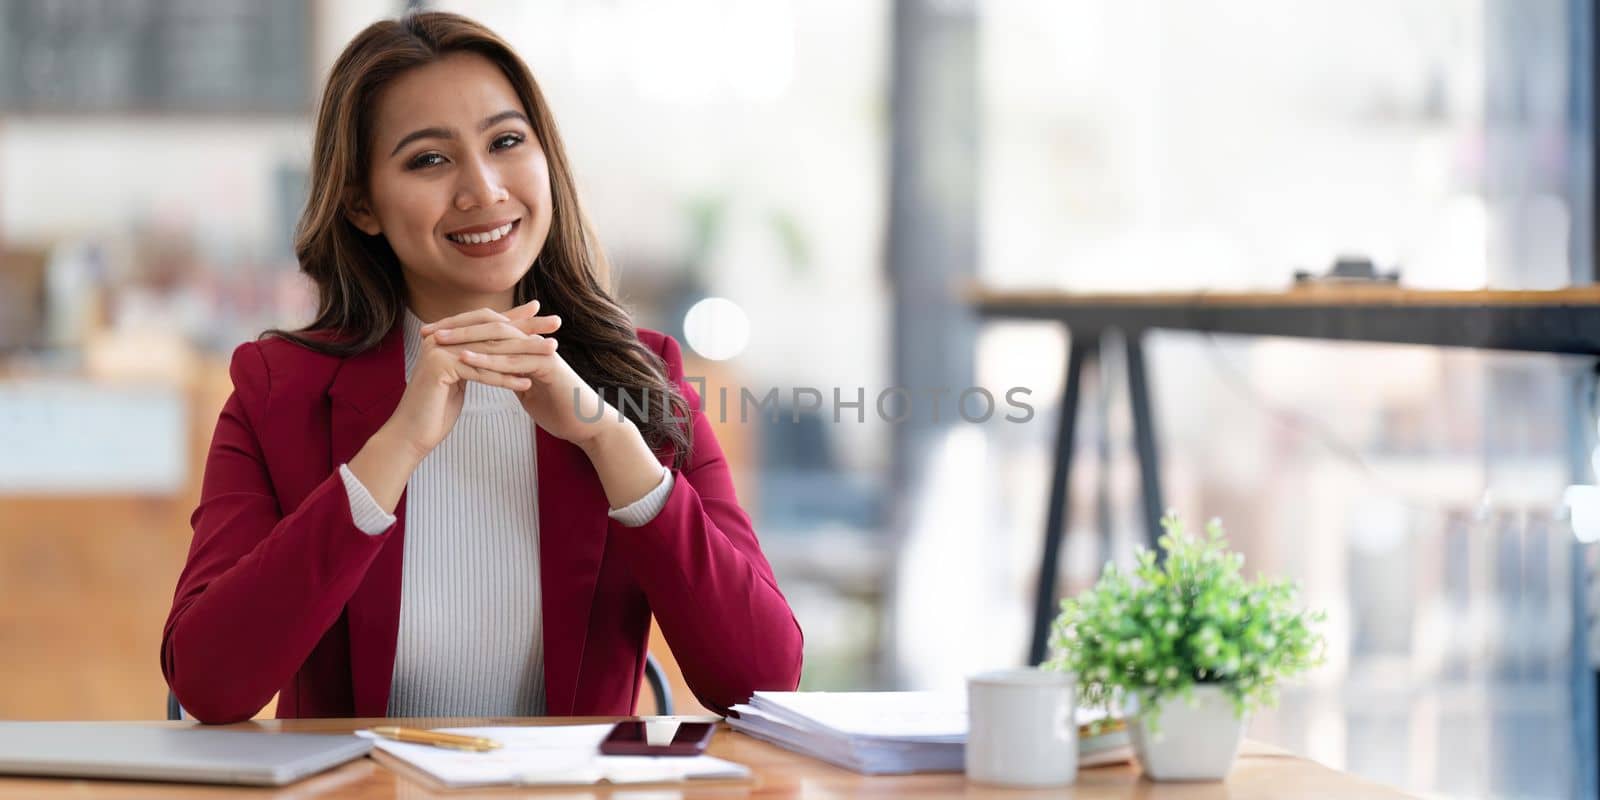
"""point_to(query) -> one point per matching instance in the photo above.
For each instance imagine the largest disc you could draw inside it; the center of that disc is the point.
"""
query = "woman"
(417, 505)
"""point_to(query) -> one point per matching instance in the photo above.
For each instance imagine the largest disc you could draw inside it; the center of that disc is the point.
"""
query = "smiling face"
(458, 185)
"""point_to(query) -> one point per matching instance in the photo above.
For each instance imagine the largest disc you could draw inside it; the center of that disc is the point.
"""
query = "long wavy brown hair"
(360, 287)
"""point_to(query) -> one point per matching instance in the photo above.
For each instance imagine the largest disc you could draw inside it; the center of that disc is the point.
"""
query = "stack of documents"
(886, 733)
(553, 755)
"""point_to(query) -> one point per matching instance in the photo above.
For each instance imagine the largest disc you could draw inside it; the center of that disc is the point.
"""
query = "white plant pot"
(1196, 742)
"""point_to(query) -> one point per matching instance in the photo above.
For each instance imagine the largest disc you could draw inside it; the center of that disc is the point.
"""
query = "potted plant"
(1187, 647)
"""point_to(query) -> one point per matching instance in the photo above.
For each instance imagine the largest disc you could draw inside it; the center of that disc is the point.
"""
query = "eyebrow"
(449, 133)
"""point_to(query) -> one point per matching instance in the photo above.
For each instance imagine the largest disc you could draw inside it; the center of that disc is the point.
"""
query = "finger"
(524, 311)
(493, 378)
(463, 319)
(532, 345)
(542, 325)
(481, 332)
(519, 364)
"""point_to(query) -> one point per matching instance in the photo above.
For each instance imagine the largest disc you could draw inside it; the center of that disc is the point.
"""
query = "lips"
(485, 240)
(480, 234)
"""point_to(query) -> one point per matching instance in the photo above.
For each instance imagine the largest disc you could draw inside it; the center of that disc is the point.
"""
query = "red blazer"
(283, 594)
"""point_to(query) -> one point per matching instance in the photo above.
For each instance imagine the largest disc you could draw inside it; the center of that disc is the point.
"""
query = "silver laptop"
(195, 755)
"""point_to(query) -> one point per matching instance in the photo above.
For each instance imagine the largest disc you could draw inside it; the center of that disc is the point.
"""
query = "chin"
(505, 266)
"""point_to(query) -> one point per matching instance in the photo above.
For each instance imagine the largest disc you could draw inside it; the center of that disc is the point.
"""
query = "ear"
(359, 212)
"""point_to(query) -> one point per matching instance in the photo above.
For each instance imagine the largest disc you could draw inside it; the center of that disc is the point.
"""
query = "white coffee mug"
(1022, 730)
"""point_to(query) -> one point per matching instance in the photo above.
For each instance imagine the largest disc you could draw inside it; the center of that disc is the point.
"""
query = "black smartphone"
(628, 739)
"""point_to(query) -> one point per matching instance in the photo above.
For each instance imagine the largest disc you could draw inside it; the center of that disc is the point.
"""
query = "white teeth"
(481, 238)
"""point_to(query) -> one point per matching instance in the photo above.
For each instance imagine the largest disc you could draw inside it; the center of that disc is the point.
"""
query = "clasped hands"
(515, 350)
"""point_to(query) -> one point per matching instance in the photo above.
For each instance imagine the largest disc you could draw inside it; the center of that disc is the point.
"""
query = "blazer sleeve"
(260, 587)
(707, 582)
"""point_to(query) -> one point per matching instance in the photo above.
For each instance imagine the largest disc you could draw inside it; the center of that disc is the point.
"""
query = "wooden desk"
(1563, 321)
(1260, 772)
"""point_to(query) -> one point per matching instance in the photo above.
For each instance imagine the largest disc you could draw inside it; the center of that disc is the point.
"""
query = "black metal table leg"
(1144, 434)
(1083, 348)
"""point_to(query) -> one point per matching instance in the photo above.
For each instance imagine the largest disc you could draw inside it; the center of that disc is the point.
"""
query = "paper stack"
(886, 733)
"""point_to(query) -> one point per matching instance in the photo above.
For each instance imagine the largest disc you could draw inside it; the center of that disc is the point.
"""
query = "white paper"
(928, 716)
(880, 733)
(549, 755)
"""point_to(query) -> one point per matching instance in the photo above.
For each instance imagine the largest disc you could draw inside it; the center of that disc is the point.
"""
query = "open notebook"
(553, 755)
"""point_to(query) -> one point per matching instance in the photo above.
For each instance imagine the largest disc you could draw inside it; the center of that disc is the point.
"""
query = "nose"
(480, 186)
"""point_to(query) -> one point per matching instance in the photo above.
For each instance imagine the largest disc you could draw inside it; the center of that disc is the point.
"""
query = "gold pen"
(454, 741)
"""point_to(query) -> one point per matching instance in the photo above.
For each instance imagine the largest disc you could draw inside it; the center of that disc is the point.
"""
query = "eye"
(506, 140)
(425, 160)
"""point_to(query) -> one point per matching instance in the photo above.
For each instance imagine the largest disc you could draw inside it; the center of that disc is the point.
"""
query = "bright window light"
(717, 328)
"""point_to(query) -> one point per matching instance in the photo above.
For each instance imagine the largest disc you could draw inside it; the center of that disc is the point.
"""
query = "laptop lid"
(143, 752)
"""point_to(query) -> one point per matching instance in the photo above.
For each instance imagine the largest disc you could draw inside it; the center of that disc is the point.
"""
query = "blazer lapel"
(572, 543)
(363, 395)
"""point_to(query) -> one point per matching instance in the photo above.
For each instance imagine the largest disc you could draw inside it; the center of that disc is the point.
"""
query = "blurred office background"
(831, 170)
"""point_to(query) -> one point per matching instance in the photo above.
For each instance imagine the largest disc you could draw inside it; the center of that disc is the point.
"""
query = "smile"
(482, 237)
(485, 242)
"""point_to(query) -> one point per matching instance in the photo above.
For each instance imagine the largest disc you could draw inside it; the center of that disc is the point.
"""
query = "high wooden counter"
(1560, 321)
(1260, 772)
(1552, 321)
